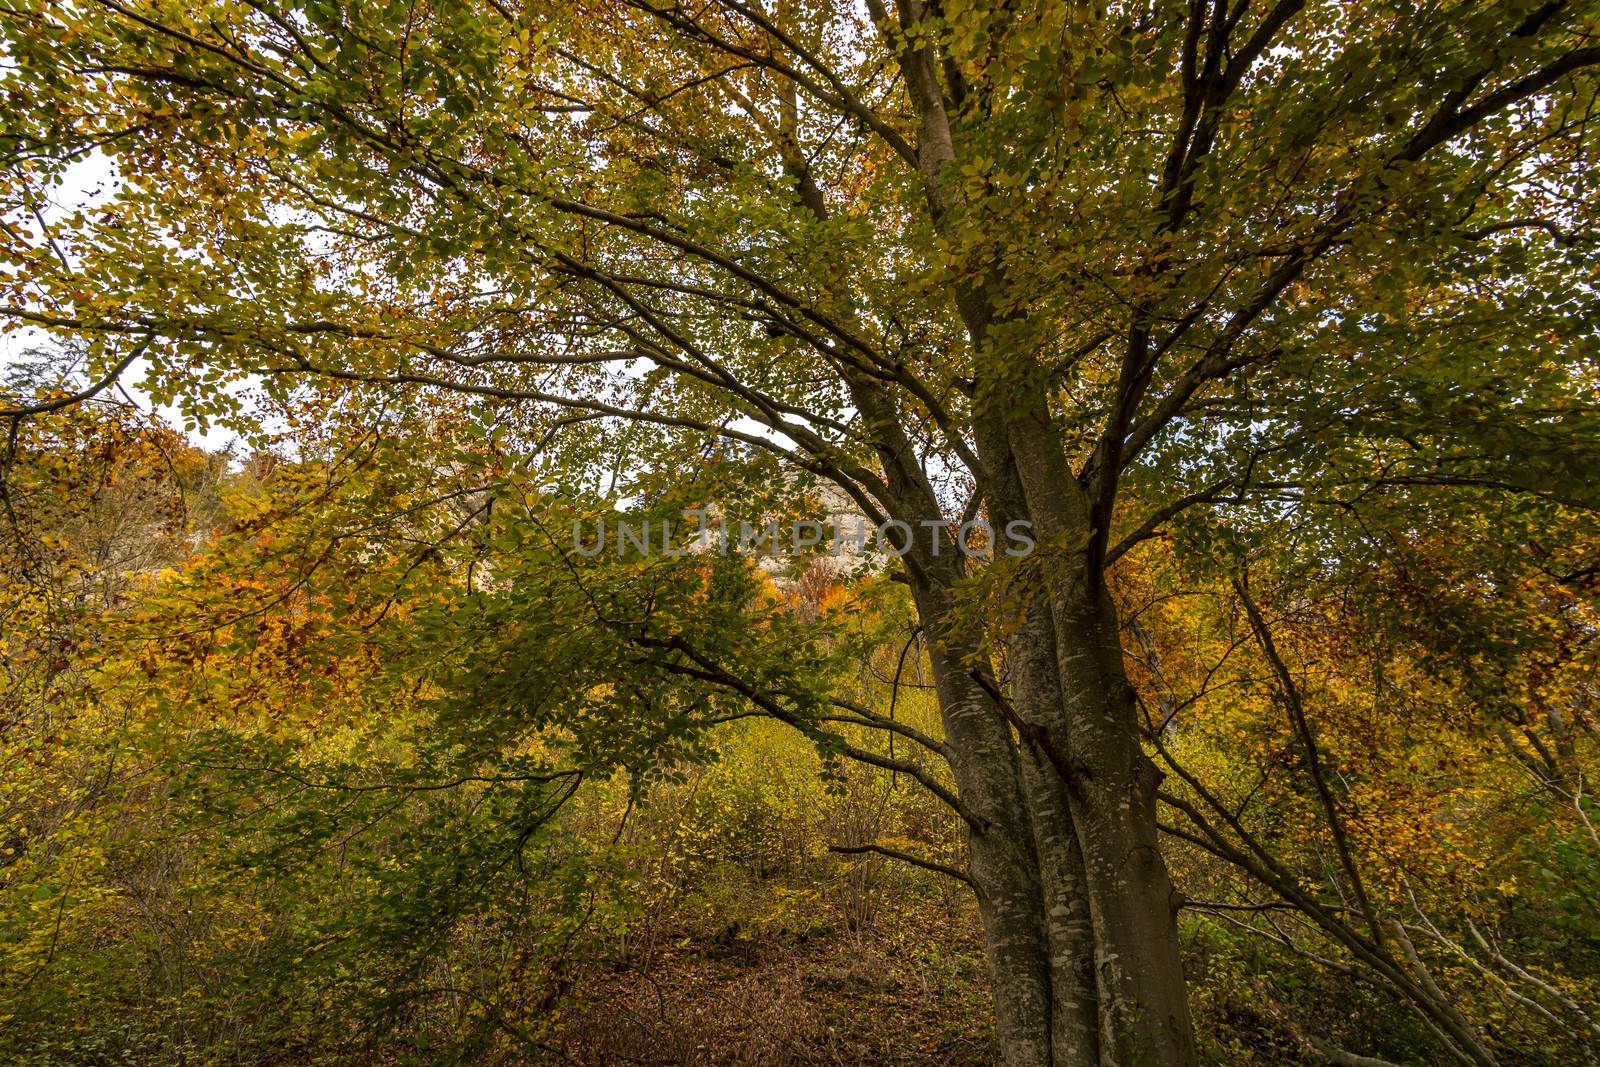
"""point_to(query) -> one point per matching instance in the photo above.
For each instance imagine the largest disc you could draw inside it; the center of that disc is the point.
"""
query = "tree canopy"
(1281, 311)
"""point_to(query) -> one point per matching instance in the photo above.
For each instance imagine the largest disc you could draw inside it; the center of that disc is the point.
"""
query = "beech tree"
(1092, 267)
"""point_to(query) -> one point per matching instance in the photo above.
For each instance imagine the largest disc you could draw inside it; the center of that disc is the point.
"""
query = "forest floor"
(910, 990)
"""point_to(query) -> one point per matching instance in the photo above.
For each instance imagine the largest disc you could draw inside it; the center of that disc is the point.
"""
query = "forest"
(1039, 533)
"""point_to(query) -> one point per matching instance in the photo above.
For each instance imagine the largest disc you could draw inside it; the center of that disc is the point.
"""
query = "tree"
(1089, 267)
(1340, 732)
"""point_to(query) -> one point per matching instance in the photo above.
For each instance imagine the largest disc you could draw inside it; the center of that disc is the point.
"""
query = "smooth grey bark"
(1035, 691)
(1003, 863)
(1143, 1004)
(1079, 912)
(1074, 1018)
(1144, 1008)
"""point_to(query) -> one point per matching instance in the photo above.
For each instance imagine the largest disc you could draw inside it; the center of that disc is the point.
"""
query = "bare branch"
(906, 857)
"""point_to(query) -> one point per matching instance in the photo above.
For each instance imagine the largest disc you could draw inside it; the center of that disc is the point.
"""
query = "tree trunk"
(1035, 691)
(1074, 1019)
(1004, 865)
(1109, 781)
(1051, 911)
(1144, 1008)
(1078, 911)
